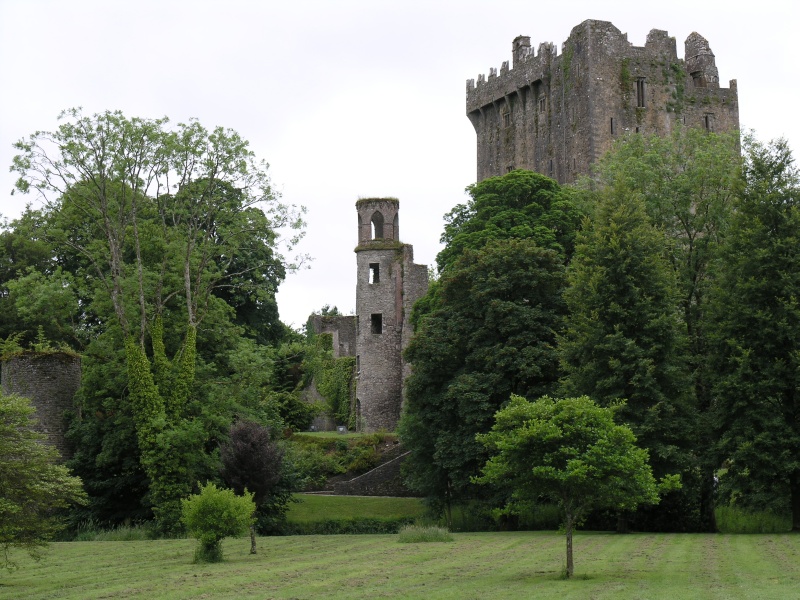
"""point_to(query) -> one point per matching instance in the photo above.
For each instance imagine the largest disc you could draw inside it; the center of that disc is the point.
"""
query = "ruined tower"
(50, 381)
(558, 113)
(388, 284)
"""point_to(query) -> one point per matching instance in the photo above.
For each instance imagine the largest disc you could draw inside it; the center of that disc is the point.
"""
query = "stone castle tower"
(558, 113)
(388, 284)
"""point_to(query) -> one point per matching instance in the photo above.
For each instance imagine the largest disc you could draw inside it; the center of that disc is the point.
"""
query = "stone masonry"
(558, 113)
(388, 284)
(50, 381)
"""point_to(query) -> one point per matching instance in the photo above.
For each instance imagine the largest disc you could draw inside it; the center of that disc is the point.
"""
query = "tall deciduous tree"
(32, 485)
(159, 216)
(492, 333)
(757, 336)
(571, 452)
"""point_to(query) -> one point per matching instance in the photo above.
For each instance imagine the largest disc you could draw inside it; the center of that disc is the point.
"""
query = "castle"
(388, 285)
(558, 113)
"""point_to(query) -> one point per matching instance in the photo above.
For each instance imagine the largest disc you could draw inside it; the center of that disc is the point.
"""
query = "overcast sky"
(346, 98)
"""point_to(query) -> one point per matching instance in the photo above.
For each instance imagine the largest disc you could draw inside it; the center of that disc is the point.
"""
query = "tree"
(624, 341)
(214, 514)
(32, 485)
(492, 333)
(688, 182)
(571, 452)
(169, 224)
(519, 205)
(756, 314)
(253, 462)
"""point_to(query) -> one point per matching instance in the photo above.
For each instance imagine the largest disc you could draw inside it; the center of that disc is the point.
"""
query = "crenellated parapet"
(558, 112)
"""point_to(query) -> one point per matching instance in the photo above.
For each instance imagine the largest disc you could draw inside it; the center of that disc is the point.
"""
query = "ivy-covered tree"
(756, 317)
(162, 221)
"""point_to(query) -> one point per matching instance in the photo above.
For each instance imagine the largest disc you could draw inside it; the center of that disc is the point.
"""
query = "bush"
(731, 519)
(213, 515)
(414, 534)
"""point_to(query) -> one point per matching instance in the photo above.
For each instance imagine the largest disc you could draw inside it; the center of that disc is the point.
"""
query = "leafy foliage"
(492, 333)
(624, 337)
(757, 337)
(569, 451)
(32, 485)
(214, 514)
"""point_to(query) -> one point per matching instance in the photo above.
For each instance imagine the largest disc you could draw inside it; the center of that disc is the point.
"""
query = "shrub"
(213, 515)
(731, 519)
(414, 534)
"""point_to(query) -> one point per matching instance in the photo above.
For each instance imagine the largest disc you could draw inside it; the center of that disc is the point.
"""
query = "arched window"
(377, 225)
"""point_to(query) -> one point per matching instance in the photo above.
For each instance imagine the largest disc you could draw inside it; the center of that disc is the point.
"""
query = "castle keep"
(388, 284)
(558, 113)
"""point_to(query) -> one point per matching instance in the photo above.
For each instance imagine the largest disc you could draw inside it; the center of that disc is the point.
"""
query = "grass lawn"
(314, 508)
(474, 566)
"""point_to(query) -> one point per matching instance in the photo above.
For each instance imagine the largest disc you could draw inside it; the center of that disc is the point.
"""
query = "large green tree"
(623, 341)
(688, 181)
(571, 452)
(32, 485)
(492, 333)
(161, 220)
(757, 337)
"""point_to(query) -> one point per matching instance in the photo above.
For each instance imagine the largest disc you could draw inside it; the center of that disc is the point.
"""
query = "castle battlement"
(557, 113)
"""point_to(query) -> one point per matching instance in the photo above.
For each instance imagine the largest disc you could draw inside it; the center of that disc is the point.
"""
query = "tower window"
(377, 323)
(613, 127)
(374, 272)
(640, 91)
(377, 226)
(542, 104)
(509, 168)
(708, 121)
(506, 119)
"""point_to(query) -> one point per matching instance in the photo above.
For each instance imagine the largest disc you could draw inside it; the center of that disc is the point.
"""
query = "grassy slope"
(484, 565)
(314, 508)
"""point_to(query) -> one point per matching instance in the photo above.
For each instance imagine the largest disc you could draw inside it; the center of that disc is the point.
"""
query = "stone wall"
(50, 381)
(384, 480)
(558, 113)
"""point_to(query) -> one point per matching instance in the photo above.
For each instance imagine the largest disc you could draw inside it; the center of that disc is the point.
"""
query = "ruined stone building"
(50, 381)
(558, 113)
(388, 284)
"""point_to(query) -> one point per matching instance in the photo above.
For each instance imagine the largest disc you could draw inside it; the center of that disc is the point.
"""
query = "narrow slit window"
(613, 128)
(374, 272)
(506, 119)
(640, 92)
(708, 121)
(542, 104)
(377, 323)
(358, 364)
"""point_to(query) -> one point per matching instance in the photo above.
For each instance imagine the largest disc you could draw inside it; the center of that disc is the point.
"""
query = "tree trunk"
(569, 523)
(708, 520)
(794, 487)
(252, 539)
(622, 523)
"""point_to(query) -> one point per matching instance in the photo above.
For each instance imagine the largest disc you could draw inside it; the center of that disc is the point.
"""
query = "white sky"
(346, 98)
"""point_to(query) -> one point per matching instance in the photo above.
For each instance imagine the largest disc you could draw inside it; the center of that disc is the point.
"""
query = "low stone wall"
(384, 480)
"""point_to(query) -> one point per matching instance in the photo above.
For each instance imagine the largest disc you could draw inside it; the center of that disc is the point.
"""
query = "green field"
(313, 507)
(479, 565)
